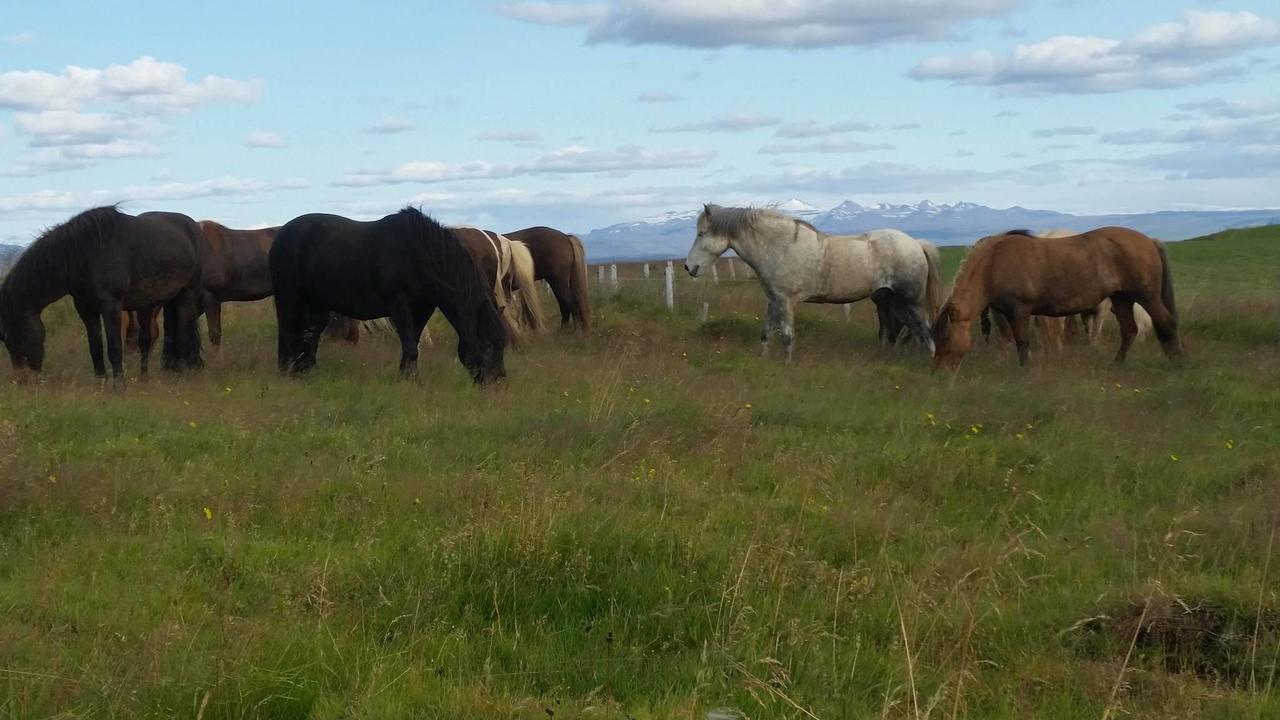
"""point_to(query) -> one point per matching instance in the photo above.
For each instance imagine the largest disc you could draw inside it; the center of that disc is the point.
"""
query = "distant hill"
(669, 235)
(9, 254)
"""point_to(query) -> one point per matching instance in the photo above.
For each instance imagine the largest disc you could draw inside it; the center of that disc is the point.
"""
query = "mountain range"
(670, 234)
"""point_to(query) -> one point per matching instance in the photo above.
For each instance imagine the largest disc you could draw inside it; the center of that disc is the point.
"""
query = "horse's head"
(482, 345)
(952, 338)
(708, 245)
(23, 337)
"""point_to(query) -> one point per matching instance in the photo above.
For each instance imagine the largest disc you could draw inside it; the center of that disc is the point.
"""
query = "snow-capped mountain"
(670, 234)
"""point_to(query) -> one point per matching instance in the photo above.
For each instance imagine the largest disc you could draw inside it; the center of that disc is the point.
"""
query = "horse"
(507, 267)
(235, 270)
(890, 327)
(560, 261)
(796, 262)
(404, 267)
(132, 325)
(108, 261)
(1020, 275)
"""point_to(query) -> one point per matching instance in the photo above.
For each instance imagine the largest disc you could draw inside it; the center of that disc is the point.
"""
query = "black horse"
(108, 261)
(401, 267)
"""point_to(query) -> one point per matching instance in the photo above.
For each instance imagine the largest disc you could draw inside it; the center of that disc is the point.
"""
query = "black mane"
(1021, 231)
(451, 266)
(62, 251)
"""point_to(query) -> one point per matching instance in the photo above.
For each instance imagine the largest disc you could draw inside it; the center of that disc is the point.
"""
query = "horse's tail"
(933, 284)
(522, 271)
(578, 285)
(1166, 285)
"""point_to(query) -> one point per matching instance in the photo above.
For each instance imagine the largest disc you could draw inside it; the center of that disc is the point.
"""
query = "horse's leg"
(918, 325)
(408, 330)
(213, 316)
(145, 339)
(92, 319)
(771, 316)
(564, 299)
(984, 323)
(188, 319)
(169, 348)
(1122, 308)
(314, 322)
(786, 317)
(115, 343)
(1166, 327)
(1020, 327)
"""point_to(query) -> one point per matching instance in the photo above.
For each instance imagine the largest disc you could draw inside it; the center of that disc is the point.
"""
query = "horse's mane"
(734, 221)
(62, 251)
(1020, 231)
(450, 266)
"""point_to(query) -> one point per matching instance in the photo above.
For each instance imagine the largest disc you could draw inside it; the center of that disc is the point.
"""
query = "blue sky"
(577, 115)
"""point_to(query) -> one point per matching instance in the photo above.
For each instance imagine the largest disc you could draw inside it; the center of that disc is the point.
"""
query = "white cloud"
(574, 159)
(1246, 108)
(826, 145)
(68, 127)
(1064, 131)
(391, 125)
(145, 83)
(555, 13)
(657, 97)
(734, 123)
(227, 186)
(21, 39)
(516, 137)
(760, 23)
(263, 139)
(1166, 55)
(813, 129)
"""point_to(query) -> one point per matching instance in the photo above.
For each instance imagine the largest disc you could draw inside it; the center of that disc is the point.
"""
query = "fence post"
(646, 271)
(670, 289)
(848, 308)
(733, 273)
(613, 277)
(600, 275)
(706, 312)
(715, 274)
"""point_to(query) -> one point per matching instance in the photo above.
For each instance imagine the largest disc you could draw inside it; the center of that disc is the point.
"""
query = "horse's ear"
(706, 208)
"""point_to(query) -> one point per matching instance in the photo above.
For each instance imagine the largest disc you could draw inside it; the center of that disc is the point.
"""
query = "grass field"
(654, 522)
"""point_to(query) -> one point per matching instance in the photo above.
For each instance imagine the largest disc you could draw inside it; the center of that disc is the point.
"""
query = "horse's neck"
(754, 247)
(969, 297)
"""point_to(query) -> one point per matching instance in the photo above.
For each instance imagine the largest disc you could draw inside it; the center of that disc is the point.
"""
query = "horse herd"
(122, 270)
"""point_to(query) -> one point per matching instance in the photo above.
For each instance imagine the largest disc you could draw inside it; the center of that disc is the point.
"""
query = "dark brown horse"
(403, 267)
(1018, 276)
(235, 269)
(559, 259)
(133, 326)
(108, 262)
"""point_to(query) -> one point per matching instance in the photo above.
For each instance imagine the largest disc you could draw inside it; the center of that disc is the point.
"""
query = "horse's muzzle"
(693, 271)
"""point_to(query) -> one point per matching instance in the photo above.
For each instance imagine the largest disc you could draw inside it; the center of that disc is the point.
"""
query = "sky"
(583, 114)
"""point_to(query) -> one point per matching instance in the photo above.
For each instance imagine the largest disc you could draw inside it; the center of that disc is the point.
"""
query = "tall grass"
(654, 522)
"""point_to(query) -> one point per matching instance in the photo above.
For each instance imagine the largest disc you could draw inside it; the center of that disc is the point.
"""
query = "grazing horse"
(796, 262)
(132, 325)
(891, 327)
(235, 270)
(403, 266)
(1020, 276)
(559, 259)
(507, 267)
(108, 262)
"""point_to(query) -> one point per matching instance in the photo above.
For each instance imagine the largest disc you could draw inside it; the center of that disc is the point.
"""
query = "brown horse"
(133, 327)
(508, 266)
(235, 269)
(558, 259)
(1019, 276)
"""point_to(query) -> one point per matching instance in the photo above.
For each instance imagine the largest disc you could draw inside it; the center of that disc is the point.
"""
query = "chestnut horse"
(235, 270)
(560, 261)
(508, 266)
(1020, 275)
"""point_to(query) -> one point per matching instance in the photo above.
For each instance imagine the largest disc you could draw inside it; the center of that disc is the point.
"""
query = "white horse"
(796, 262)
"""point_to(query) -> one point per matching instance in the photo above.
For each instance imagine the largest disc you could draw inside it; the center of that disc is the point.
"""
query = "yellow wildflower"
(208, 514)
